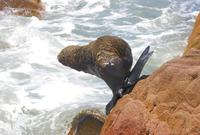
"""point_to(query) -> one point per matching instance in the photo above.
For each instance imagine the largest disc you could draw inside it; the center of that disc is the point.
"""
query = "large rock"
(194, 39)
(87, 122)
(23, 7)
(167, 102)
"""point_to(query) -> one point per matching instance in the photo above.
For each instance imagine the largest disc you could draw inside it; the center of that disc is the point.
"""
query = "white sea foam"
(38, 95)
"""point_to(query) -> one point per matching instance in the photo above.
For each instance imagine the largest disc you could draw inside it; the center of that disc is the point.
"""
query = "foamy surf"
(38, 95)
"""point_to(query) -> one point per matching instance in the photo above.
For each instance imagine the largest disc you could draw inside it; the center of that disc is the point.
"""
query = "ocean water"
(39, 96)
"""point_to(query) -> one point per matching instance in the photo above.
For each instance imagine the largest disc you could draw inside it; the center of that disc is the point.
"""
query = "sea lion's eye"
(63, 55)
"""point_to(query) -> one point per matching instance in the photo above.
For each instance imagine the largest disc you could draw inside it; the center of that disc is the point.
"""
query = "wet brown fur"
(108, 57)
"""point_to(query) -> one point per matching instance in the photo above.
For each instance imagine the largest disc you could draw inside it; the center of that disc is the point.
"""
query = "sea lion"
(23, 7)
(109, 58)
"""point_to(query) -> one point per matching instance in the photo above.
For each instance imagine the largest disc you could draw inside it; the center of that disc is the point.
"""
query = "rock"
(87, 122)
(167, 102)
(23, 7)
(194, 38)
(130, 117)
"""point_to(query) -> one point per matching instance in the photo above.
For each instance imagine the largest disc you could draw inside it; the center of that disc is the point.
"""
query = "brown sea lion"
(23, 7)
(109, 58)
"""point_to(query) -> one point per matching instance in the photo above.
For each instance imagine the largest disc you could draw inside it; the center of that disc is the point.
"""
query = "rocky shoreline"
(166, 103)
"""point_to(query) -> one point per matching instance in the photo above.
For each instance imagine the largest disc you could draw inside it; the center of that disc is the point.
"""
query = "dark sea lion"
(109, 58)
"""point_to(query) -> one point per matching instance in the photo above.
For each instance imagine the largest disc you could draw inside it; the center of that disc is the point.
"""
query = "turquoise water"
(39, 96)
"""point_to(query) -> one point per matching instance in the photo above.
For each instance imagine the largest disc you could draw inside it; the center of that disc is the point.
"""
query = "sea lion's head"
(70, 56)
(66, 55)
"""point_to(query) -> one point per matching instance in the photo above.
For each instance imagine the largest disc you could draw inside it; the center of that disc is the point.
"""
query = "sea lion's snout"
(65, 56)
(69, 56)
(61, 57)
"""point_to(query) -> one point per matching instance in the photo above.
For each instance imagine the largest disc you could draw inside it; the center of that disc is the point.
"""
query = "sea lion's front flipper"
(134, 75)
(111, 104)
(136, 71)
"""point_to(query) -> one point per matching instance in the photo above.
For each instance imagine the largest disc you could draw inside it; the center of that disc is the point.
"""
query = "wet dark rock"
(87, 122)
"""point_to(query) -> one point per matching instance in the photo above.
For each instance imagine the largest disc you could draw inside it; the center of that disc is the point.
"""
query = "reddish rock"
(167, 102)
(24, 7)
(194, 38)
